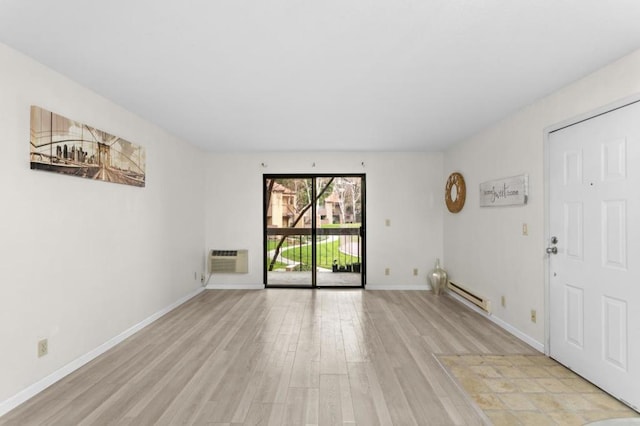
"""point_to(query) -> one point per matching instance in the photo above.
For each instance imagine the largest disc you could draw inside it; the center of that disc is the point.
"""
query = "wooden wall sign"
(511, 191)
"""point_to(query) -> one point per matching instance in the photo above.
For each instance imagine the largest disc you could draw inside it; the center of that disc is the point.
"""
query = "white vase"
(438, 278)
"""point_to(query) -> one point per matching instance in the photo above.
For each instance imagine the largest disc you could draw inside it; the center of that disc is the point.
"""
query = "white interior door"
(595, 274)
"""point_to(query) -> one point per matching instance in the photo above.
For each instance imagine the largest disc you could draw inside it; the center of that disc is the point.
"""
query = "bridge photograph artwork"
(61, 145)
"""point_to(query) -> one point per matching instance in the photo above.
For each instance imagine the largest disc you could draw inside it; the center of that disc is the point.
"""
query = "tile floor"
(531, 390)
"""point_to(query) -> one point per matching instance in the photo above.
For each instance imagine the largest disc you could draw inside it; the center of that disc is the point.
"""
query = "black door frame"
(313, 229)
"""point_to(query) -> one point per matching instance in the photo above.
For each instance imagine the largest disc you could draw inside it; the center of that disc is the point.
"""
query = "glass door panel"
(289, 224)
(340, 233)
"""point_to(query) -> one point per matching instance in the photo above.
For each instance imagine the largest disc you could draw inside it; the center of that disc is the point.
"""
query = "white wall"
(484, 247)
(82, 261)
(405, 188)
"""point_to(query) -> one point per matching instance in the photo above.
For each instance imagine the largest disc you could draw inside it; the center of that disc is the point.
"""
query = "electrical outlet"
(415, 272)
(387, 271)
(503, 301)
(533, 315)
(43, 347)
(387, 222)
(525, 229)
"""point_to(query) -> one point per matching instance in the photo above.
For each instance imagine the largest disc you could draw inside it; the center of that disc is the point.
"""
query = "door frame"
(620, 103)
(363, 233)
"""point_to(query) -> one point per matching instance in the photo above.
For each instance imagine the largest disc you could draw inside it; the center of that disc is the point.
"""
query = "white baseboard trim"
(519, 334)
(39, 386)
(501, 323)
(398, 287)
(235, 287)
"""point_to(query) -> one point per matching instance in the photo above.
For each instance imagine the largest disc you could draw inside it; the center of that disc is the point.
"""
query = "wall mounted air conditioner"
(229, 262)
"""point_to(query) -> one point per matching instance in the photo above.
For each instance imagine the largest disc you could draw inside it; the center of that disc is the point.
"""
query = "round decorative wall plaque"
(455, 192)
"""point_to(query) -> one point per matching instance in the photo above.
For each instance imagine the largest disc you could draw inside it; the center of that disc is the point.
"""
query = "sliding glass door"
(314, 230)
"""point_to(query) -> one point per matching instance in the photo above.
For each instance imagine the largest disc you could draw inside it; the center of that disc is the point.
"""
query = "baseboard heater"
(479, 301)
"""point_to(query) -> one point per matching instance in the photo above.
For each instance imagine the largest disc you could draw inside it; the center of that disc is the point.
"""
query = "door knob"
(553, 249)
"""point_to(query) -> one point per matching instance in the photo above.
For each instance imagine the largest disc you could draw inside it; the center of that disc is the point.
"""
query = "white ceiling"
(322, 75)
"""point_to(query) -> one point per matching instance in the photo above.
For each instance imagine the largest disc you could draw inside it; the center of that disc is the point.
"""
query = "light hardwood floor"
(281, 357)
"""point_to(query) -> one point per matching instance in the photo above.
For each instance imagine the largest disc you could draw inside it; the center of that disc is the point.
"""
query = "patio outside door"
(314, 231)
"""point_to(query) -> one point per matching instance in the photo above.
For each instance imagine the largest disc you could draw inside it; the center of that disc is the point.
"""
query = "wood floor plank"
(302, 406)
(377, 395)
(306, 366)
(346, 400)
(248, 396)
(236, 357)
(330, 400)
(364, 406)
(382, 343)
(188, 404)
(271, 388)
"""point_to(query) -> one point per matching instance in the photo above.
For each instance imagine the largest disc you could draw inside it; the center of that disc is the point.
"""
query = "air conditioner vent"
(224, 253)
(229, 262)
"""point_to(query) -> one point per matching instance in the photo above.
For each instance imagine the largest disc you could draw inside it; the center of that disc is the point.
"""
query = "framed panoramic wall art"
(61, 145)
